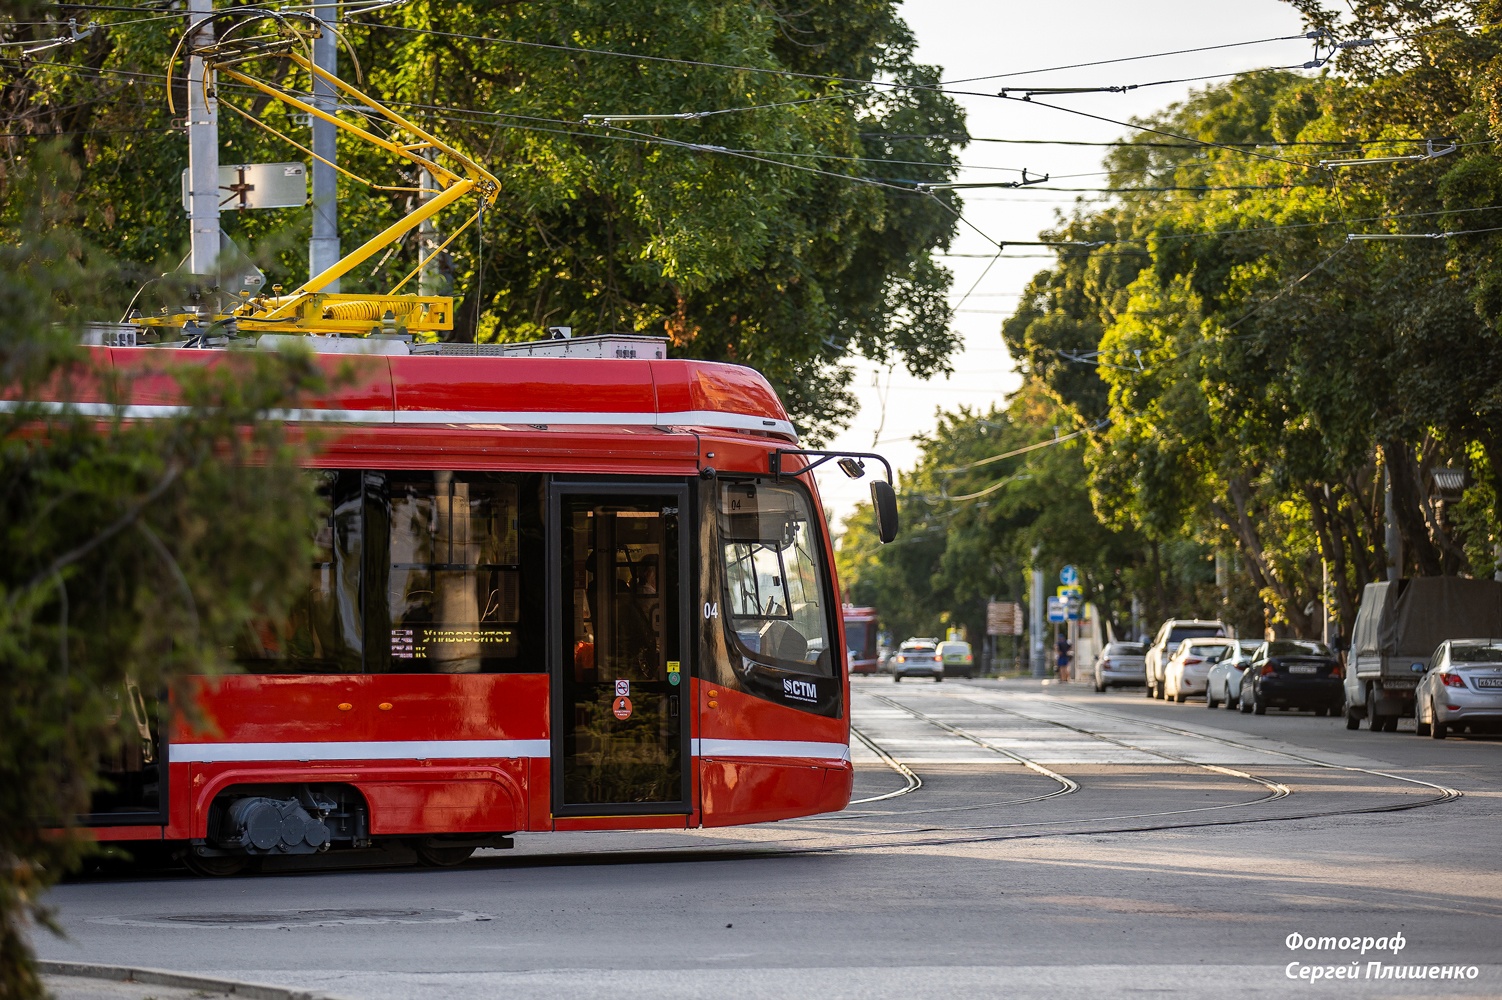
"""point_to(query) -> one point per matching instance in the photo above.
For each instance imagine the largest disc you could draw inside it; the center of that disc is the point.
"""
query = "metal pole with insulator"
(323, 247)
(203, 148)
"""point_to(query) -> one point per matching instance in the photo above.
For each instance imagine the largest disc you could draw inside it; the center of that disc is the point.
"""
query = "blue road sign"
(1069, 576)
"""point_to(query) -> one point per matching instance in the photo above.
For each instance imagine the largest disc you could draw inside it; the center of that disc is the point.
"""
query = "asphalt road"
(1061, 843)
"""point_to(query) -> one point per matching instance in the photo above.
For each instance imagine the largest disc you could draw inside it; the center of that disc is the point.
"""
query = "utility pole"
(1040, 668)
(323, 247)
(1394, 538)
(203, 149)
(431, 281)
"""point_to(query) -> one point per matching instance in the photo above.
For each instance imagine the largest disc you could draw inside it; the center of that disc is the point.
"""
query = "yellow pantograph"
(308, 308)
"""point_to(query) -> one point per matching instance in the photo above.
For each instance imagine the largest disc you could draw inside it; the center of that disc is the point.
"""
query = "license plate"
(1489, 682)
(1303, 670)
(1397, 683)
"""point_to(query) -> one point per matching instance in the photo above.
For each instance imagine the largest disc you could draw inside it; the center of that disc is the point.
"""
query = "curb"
(163, 977)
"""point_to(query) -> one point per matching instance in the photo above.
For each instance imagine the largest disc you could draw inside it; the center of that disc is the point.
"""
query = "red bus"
(861, 632)
(550, 593)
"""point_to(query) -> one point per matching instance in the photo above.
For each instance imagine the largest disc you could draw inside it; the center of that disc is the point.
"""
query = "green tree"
(786, 236)
(136, 552)
(992, 497)
(1259, 377)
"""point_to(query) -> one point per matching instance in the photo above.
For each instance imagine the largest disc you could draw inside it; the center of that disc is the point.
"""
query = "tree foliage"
(974, 522)
(1260, 377)
(135, 552)
(1247, 378)
(786, 237)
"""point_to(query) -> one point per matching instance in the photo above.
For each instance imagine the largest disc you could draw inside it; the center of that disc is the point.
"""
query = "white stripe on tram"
(771, 749)
(211, 753)
(566, 418)
(216, 753)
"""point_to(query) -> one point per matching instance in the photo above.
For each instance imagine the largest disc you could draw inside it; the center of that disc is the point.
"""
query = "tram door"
(620, 686)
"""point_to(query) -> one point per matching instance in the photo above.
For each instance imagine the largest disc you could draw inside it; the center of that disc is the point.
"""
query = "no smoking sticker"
(622, 708)
(622, 688)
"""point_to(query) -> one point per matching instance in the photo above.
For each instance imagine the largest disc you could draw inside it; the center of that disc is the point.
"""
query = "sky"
(973, 38)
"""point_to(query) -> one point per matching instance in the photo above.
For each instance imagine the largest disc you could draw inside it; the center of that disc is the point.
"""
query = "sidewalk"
(86, 981)
(85, 988)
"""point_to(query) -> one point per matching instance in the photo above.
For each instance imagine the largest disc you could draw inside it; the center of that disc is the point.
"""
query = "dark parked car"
(1293, 673)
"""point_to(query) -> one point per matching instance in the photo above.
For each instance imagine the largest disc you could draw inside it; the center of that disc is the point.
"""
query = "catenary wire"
(792, 74)
(570, 130)
(1157, 131)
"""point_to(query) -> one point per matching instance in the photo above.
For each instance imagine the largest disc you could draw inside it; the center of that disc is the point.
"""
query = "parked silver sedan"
(1223, 684)
(1120, 663)
(918, 658)
(1461, 690)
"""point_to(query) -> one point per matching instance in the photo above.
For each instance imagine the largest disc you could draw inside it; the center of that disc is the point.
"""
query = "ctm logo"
(802, 690)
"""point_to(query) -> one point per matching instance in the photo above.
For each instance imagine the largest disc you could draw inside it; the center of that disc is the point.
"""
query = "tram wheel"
(218, 866)
(442, 857)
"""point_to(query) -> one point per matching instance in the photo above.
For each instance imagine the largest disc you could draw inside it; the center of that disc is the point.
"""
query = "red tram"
(862, 630)
(550, 593)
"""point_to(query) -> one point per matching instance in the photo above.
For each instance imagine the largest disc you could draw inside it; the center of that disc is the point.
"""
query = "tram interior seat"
(782, 641)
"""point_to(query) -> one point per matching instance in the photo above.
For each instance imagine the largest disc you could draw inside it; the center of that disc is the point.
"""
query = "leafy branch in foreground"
(135, 552)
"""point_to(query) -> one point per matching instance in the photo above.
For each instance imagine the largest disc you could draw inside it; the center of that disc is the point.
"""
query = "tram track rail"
(1446, 793)
(913, 782)
(1091, 826)
(1067, 786)
(1275, 790)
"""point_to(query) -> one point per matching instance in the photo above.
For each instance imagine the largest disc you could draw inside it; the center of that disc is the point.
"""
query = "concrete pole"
(203, 153)
(1040, 667)
(1324, 600)
(1394, 538)
(430, 281)
(323, 247)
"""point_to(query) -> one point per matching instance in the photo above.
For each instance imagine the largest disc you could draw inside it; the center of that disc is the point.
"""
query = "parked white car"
(1188, 668)
(1223, 683)
(1461, 689)
(1170, 634)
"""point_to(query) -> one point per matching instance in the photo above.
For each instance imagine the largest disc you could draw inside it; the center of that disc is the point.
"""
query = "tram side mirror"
(884, 502)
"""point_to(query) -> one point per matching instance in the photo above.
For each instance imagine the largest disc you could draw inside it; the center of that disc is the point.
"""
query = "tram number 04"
(711, 610)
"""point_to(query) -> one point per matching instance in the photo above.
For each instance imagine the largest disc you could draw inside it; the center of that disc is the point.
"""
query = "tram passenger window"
(774, 577)
(322, 634)
(453, 591)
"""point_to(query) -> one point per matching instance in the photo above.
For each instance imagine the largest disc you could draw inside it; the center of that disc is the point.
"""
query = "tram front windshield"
(774, 577)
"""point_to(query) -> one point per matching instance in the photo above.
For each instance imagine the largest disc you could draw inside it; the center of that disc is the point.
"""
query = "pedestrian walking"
(1064, 659)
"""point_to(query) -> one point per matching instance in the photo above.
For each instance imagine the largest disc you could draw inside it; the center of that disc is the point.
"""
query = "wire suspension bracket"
(308, 308)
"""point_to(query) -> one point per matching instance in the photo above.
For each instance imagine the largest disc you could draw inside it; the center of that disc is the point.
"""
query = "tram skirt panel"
(756, 791)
